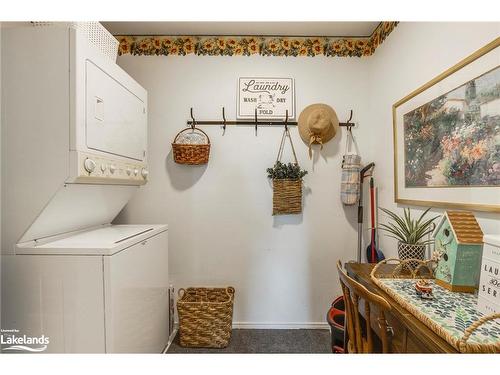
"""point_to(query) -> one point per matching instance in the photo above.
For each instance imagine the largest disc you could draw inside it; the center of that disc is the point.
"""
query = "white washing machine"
(103, 290)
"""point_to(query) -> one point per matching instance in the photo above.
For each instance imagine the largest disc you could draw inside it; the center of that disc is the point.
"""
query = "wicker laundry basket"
(188, 153)
(205, 317)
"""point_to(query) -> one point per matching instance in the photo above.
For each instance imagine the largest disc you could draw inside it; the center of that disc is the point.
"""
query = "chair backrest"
(361, 340)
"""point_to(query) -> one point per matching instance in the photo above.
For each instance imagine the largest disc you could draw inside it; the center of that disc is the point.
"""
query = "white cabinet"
(97, 291)
(136, 289)
(61, 297)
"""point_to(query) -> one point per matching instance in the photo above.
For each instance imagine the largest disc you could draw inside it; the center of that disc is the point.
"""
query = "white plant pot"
(411, 251)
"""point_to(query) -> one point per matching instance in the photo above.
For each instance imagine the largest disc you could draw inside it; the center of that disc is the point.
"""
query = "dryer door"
(115, 117)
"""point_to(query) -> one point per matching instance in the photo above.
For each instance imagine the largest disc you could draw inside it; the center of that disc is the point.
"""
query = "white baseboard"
(272, 325)
(280, 325)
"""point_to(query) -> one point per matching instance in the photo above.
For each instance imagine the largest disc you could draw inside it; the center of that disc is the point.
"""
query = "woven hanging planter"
(205, 317)
(287, 197)
(191, 153)
(287, 193)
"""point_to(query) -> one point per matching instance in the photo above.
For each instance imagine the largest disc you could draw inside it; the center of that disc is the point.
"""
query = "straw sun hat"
(318, 123)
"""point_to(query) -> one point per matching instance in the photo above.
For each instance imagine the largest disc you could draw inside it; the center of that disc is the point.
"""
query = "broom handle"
(375, 225)
(372, 209)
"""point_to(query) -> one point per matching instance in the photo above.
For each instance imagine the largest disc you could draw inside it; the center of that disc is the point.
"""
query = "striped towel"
(349, 189)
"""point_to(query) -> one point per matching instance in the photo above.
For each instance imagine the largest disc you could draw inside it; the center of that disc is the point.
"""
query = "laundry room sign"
(270, 96)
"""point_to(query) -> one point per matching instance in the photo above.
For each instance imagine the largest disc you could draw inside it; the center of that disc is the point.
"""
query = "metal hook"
(349, 124)
(286, 120)
(223, 119)
(193, 121)
(350, 118)
(256, 121)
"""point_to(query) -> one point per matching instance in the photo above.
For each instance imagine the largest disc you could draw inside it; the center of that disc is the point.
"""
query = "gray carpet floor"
(268, 341)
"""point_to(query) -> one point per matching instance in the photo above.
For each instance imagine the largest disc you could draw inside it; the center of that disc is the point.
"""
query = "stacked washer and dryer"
(74, 133)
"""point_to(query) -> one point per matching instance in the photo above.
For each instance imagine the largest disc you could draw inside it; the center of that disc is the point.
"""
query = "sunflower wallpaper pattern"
(254, 45)
(454, 140)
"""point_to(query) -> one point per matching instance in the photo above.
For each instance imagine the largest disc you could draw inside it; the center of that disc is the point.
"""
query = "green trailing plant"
(408, 230)
(282, 171)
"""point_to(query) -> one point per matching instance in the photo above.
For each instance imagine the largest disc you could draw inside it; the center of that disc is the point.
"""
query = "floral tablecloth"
(450, 311)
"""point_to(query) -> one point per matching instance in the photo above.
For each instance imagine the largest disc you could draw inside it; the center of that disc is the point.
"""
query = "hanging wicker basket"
(287, 193)
(191, 153)
(205, 317)
(287, 196)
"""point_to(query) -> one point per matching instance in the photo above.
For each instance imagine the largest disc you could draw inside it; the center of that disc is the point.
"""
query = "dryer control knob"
(112, 168)
(89, 165)
(129, 171)
(103, 167)
(144, 173)
(136, 172)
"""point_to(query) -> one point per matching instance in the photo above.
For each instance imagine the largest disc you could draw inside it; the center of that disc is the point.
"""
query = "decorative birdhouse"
(458, 248)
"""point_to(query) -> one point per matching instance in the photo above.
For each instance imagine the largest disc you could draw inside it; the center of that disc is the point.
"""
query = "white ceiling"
(243, 28)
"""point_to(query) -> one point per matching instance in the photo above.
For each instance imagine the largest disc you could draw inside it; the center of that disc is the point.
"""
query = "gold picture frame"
(406, 198)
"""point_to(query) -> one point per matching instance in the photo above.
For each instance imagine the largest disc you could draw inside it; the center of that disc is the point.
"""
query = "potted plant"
(410, 233)
(287, 187)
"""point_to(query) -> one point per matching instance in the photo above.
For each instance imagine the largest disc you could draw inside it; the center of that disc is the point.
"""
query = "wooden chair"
(360, 337)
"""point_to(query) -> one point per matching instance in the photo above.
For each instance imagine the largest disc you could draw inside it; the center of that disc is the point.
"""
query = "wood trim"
(466, 206)
(462, 206)
(456, 288)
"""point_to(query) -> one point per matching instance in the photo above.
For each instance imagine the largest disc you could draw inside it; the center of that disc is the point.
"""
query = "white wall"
(219, 215)
(414, 54)
(221, 228)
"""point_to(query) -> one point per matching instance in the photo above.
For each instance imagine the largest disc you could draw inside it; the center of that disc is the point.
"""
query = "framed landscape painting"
(447, 137)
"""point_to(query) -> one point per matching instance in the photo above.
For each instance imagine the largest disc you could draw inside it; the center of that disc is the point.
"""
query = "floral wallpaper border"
(254, 45)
